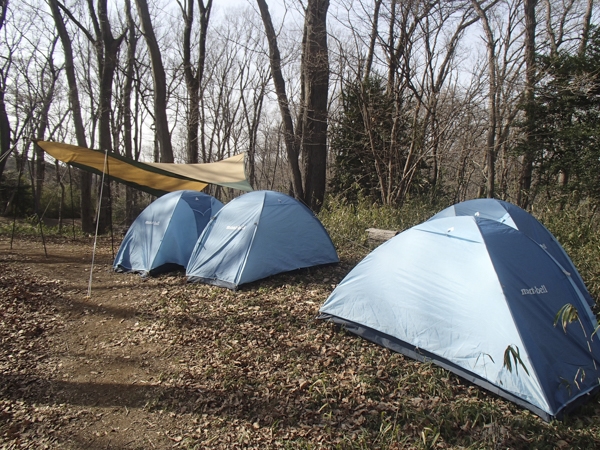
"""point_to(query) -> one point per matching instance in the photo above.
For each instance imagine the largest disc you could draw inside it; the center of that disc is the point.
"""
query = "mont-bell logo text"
(153, 222)
(535, 290)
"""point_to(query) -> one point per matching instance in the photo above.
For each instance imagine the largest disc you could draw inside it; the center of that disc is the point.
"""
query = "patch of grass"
(346, 223)
(576, 228)
(30, 226)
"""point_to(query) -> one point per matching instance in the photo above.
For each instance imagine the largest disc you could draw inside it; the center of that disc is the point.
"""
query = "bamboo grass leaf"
(566, 315)
(512, 353)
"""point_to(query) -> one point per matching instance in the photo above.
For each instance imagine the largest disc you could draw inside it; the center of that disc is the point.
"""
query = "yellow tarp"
(156, 178)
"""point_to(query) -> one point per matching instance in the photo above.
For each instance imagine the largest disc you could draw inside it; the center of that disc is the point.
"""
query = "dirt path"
(99, 374)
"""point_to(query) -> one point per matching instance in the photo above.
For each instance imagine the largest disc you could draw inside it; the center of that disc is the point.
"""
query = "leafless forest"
(378, 99)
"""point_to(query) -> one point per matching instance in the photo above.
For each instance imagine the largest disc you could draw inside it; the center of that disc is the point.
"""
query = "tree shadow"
(229, 402)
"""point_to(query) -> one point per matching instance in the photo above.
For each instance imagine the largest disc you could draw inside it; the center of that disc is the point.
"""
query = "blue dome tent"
(256, 235)
(162, 237)
(468, 294)
(513, 216)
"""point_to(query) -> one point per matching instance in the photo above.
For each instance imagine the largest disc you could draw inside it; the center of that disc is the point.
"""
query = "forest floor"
(159, 363)
(119, 368)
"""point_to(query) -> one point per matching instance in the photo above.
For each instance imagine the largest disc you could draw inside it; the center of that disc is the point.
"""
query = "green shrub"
(347, 222)
(19, 192)
(50, 202)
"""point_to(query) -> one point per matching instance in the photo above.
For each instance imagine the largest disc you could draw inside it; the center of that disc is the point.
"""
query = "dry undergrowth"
(159, 363)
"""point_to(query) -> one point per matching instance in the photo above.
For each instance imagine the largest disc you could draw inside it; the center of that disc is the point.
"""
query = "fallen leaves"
(27, 317)
(159, 363)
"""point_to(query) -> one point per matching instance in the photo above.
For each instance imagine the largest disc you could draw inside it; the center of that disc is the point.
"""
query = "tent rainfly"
(256, 235)
(162, 237)
(154, 178)
(481, 299)
(513, 216)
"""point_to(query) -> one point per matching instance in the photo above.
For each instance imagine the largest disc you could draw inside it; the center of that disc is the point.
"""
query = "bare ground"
(87, 373)
(158, 364)
(120, 368)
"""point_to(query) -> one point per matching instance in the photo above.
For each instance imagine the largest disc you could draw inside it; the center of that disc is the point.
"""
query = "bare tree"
(523, 196)
(418, 43)
(29, 95)
(49, 79)
(107, 62)
(85, 178)
(443, 29)
(4, 120)
(315, 74)
(163, 134)
(291, 142)
(194, 75)
(132, 39)
(253, 96)
(490, 151)
(311, 135)
(5, 128)
(107, 49)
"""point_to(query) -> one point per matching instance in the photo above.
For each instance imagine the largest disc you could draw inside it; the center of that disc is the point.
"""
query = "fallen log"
(376, 235)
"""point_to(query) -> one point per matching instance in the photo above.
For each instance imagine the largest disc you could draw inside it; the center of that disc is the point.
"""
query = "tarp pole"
(72, 204)
(110, 211)
(89, 292)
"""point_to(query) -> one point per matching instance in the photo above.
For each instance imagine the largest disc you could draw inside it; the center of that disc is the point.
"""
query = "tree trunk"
(316, 82)
(41, 130)
(291, 144)
(160, 85)
(85, 178)
(4, 120)
(130, 193)
(585, 32)
(4, 127)
(107, 66)
(372, 41)
(490, 150)
(524, 195)
(194, 82)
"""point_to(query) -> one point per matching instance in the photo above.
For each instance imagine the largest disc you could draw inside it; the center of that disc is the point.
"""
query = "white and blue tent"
(468, 294)
(162, 237)
(257, 235)
(512, 215)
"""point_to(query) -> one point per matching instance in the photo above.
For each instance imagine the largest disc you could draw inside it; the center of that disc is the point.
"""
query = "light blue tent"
(162, 237)
(512, 215)
(256, 235)
(466, 293)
